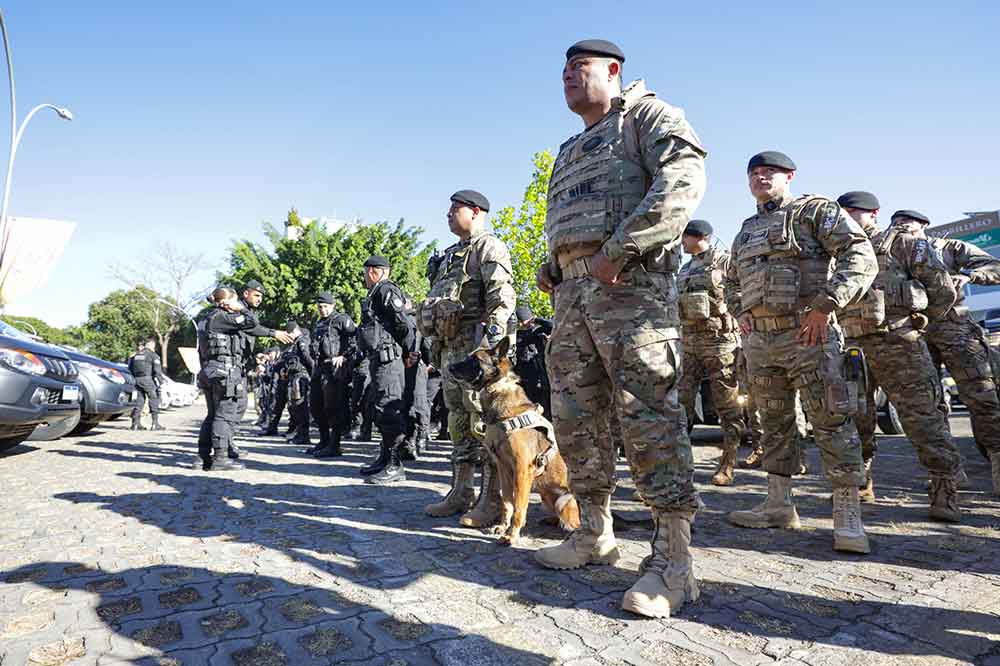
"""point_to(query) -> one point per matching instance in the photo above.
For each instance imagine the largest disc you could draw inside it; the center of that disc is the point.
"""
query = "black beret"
(325, 297)
(771, 158)
(377, 261)
(698, 228)
(253, 285)
(599, 47)
(523, 313)
(913, 215)
(859, 199)
(471, 198)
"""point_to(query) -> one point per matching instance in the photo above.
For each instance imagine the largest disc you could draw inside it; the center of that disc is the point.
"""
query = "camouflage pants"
(714, 358)
(615, 348)
(465, 413)
(906, 373)
(961, 345)
(866, 421)
(780, 364)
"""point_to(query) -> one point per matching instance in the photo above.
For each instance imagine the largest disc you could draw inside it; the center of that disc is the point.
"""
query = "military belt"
(779, 323)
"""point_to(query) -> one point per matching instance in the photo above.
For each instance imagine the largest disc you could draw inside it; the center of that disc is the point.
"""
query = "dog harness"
(534, 419)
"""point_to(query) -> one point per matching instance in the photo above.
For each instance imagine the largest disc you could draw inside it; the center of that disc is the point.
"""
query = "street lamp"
(16, 133)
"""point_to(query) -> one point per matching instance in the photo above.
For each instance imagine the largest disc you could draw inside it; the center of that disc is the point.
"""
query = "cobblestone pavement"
(113, 550)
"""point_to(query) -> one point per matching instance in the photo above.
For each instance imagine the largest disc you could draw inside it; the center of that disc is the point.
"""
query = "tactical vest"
(780, 264)
(373, 340)
(141, 365)
(455, 297)
(215, 346)
(701, 298)
(322, 342)
(597, 179)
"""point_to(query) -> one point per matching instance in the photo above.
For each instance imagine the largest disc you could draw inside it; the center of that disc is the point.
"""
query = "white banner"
(33, 247)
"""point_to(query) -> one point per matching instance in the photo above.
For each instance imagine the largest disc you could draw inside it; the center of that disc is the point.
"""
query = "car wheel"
(888, 421)
(84, 427)
(49, 432)
(10, 442)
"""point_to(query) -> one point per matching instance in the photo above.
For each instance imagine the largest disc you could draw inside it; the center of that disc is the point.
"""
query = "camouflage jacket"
(962, 258)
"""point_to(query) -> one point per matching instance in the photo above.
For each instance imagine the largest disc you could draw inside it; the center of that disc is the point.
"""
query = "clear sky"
(197, 121)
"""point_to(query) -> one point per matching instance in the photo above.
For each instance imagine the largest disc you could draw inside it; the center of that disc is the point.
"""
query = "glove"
(919, 321)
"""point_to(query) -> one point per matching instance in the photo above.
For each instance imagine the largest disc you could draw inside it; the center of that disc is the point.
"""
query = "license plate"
(71, 394)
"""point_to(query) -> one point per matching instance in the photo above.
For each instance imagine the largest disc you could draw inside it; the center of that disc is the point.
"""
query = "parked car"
(38, 387)
(175, 394)
(107, 390)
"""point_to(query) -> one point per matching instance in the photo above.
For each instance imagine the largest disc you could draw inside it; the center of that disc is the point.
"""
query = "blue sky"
(197, 121)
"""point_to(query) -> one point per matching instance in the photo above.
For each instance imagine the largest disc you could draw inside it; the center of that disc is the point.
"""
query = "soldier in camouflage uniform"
(470, 301)
(960, 343)
(711, 340)
(792, 264)
(621, 193)
(911, 288)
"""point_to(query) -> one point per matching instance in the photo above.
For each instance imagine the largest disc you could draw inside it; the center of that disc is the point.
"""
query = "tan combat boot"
(724, 474)
(486, 512)
(776, 511)
(944, 499)
(848, 532)
(867, 494)
(754, 458)
(460, 497)
(592, 543)
(668, 578)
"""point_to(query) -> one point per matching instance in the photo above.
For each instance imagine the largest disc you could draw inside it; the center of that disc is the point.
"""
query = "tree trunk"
(164, 342)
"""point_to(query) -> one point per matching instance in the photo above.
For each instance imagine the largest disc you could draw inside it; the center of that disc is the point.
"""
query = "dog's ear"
(502, 348)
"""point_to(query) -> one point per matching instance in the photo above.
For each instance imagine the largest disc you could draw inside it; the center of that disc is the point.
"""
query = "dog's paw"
(509, 539)
(498, 529)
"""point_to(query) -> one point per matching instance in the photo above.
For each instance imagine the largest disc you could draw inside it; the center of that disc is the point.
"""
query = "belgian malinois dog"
(526, 458)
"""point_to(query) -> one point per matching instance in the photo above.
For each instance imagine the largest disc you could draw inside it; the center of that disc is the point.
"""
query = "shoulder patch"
(921, 250)
(397, 302)
(241, 319)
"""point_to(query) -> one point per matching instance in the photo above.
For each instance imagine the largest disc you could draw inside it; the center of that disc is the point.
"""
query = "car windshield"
(10, 331)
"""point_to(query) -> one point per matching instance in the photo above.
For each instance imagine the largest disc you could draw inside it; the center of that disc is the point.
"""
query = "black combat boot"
(156, 423)
(137, 423)
(236, 453)
(420, 440)
(331, 450)
(366, 432)
(380, 461)
(221, 461)
(408, 449)
(324, 441)
(393, 472)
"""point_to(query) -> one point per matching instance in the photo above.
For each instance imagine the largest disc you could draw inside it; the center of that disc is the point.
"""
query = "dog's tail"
(568, 511)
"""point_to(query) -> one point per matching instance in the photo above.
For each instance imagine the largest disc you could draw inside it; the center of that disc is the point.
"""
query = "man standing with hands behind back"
(621, 193)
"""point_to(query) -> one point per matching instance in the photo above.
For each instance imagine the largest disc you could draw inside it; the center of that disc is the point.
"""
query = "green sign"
(983, 239)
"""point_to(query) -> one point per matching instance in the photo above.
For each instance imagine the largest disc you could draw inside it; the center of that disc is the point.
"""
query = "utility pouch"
(781, 290)
(914, 296)
(695, 307)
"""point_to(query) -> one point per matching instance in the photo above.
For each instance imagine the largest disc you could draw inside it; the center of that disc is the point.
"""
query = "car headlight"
(22, 361)
(110, 374)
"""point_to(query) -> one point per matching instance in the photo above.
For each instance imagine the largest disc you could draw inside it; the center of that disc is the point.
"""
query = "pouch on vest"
(695, 307)
(781, 291)
(914, 296)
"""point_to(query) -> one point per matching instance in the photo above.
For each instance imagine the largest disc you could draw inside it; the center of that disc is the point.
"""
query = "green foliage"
(294, 271)
(119, 320)
(523, 231)
(71, 336)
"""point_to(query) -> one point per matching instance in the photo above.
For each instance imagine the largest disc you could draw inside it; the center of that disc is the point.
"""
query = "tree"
(167, 268)
(523, 231)
(295, 270)
(120, 320)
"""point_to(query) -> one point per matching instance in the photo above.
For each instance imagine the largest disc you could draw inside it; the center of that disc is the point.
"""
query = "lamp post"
(17, 132)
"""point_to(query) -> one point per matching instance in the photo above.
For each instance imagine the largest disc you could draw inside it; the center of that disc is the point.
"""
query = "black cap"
(859, 199)
(471, 198)
(325, 297)
(523, 313)
(598, 47)
(772, 158)
(913, 215)
(377, 261)
(698, 228)
(291, 326)
(253, 285)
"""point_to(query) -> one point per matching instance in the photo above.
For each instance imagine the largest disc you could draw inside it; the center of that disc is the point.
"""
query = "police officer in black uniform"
(297, 361)
(532, 336)
(335, 344)
(415, 398)
(387, 338)
(145, 366)
(220, 346)
(253, 296)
